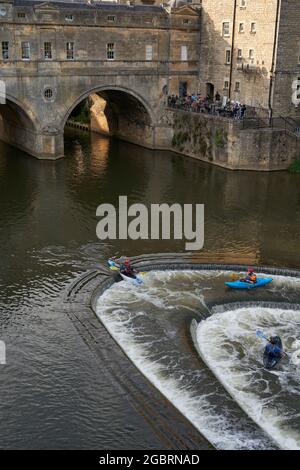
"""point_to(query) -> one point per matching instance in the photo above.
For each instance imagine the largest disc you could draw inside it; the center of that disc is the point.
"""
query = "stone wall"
(224, 142)
(253, 74)
(147, 62)
(288, 60)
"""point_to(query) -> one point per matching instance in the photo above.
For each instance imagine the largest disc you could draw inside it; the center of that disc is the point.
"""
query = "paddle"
(236, 277)
(260, 334)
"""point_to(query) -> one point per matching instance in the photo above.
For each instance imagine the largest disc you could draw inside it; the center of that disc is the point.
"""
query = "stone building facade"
(250, 52)
(134, 53)
(55, 54)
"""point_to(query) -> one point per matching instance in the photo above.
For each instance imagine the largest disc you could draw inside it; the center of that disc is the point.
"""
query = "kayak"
(134, 279)
(263, 281)
(270, 359)
(113, 265)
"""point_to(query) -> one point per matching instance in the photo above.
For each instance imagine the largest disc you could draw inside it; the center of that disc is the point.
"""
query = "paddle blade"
(260, 334)
(235, 276)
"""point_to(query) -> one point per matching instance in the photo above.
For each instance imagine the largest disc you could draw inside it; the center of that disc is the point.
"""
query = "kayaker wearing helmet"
(251, 277)
(127, 269)
(273, 352)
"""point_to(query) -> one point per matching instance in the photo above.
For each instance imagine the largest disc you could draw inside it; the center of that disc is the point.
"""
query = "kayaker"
(274, 347)
(127, 269)
(251, 277)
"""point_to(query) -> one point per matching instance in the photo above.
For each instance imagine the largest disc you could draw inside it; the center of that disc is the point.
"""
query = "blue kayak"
(247, 285)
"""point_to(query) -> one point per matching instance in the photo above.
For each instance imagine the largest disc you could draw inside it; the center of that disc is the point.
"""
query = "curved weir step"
(173, 428)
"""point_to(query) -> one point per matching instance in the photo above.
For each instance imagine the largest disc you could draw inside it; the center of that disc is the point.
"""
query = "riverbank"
(251, 145)
(230, 143)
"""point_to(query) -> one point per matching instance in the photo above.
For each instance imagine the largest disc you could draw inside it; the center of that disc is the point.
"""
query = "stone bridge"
(54, 55)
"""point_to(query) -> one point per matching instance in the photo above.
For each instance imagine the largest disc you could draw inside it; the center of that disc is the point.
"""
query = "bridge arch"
(108, 89)
(18, 124)
(129, 115)
(21, 111)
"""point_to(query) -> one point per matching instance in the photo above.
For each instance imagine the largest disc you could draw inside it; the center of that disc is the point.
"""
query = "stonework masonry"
(55, 54)
(263, 40)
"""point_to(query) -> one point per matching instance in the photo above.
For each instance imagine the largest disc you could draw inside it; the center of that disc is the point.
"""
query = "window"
(237, 87)
(149, 52)
(21, 15)
(184, 54)
(70, 50)
(25, 50)
(69, 18)
(185, 21)
(226, 84)
(243, 3)
(251, 53)
(47, 50)
(48, 94)
(226, 29)
(5, 50)
(242, 28)
(240, 54)
(110, 51)
(111, 18)
(228, 56)
(253, 28)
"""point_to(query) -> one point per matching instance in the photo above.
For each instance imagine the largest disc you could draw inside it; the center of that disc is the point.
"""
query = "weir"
(94, 284)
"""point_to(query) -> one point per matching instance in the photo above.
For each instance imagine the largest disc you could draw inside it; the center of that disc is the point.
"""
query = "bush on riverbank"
(82, 113)
(295, 167)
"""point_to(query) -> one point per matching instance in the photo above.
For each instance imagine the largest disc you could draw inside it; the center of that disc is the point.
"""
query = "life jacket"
(128, 269)
(273, 349)
(253, 277)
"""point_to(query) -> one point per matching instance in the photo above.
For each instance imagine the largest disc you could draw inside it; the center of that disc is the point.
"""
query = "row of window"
(242, 29)
(110, 18)
(239, 55)
(69, 17)
(70, 51)
(237, 85)
(48, 51)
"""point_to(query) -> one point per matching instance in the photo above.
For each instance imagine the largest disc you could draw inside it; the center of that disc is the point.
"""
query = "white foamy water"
(228, 344)
(145, 322)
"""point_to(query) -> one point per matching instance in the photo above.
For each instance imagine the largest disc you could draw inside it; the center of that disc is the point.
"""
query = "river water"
(54, 393)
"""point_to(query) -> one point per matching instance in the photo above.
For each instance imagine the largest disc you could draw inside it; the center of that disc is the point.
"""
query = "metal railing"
(254, 118)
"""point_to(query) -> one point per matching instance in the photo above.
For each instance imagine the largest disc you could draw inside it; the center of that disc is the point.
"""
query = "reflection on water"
(47, 237)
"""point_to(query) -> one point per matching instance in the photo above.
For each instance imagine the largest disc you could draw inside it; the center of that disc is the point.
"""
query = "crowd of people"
(198, 104)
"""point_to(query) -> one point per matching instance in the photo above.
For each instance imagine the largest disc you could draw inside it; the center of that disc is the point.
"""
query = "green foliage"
(294, 167)
(82, 113)
(179, 139)
(219, 138)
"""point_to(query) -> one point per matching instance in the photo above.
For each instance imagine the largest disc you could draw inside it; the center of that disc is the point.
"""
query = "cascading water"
(227, 343)
(152, 322)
